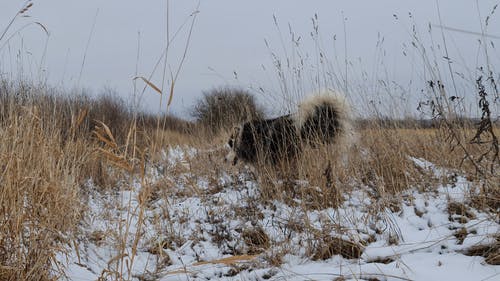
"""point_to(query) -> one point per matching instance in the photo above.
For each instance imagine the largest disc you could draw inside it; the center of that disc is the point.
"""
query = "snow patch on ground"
(200, 235)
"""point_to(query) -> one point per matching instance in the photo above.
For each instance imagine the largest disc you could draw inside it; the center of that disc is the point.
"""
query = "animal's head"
(233, 143)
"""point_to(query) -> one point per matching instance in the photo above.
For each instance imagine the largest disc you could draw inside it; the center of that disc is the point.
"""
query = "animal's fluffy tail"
(323, 118)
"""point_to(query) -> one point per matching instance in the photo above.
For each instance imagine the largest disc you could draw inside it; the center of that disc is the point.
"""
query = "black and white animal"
(320, 119)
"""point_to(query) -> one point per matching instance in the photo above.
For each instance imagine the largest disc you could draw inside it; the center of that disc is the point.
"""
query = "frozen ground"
(195, 227)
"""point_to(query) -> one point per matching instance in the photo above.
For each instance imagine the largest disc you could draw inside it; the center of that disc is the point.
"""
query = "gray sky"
(228, 38)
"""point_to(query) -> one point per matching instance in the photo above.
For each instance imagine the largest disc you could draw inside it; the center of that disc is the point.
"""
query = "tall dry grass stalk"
(448, 131)
(51, 145)
(40, 179)
(26, 6)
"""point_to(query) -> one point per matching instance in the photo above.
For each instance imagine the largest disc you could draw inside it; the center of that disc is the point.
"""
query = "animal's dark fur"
(322, 126)
(269, 140)
(320, 120)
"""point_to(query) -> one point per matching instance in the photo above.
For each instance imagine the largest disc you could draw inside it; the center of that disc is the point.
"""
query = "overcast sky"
(228, 47)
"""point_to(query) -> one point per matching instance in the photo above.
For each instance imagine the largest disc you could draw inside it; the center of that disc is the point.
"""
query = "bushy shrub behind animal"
(223, 108)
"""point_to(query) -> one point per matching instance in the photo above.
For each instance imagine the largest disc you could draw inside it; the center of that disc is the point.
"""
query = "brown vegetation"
(222, 108)
(51, 145)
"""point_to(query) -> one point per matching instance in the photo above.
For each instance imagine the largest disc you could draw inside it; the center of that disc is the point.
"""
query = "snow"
(190, 237)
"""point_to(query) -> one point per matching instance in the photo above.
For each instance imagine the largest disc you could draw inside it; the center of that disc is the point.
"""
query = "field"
(93, 188)
(85, 201)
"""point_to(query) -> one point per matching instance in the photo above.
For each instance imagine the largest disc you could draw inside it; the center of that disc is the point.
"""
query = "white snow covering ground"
(192, 230)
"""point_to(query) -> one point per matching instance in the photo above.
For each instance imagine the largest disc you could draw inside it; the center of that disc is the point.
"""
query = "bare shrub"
(113, 111)
(167, 122)
(223, 108)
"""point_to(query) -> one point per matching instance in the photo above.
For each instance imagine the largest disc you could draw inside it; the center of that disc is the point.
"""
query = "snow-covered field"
(194, 227)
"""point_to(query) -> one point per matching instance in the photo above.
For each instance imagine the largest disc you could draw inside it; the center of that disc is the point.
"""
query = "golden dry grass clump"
(50, 147)
(39, 199)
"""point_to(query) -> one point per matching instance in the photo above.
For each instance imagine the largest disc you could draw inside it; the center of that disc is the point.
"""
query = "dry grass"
(381, 159)
(40, 199)
(378, 159)
(51, 145)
